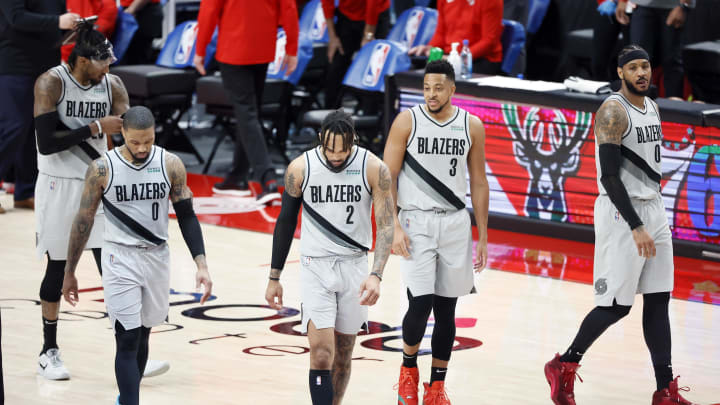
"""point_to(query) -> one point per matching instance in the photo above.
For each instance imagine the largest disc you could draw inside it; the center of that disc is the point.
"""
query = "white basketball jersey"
(136, 200)
(434, 172)
(78, 106)
(336, 206)
(641, 170)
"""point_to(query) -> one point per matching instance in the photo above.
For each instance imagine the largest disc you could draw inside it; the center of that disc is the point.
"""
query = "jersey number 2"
(350, 210)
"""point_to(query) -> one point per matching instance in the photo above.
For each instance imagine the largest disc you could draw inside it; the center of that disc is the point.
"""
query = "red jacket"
(357, 10)
(247, 29)
(478, 21)
(106, 10)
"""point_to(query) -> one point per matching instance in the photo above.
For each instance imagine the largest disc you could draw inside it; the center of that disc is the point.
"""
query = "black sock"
(321, 388)
(437, 374)
(49, 334)
(663, 376)
(572, 355)
(409, 360)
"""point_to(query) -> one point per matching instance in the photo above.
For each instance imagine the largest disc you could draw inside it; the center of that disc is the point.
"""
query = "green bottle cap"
(435, 54)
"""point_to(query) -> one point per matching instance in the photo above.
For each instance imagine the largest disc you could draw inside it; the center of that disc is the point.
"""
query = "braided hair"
(89, 43)
(338, 122)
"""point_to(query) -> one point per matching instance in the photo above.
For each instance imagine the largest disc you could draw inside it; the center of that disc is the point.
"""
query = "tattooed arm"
(394, 156)
(96, 179)
(181, 197)
(611, 123)
(121, 100)
(479, 189)
(381, 183)
(285, 229)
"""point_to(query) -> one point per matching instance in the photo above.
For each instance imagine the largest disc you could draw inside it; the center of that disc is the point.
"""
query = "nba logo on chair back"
(319, 25)
(412, 26)
(276, 64)
(376, 65)
(187, 42)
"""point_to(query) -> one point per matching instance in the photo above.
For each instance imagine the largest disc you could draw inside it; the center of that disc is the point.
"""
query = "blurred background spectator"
(478, 21)
(246, 44)
(149, 16)
(358, 22)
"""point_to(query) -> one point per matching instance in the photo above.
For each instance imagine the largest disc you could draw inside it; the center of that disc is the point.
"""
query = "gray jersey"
(77, 107)
(434, 172)
(136, 200)
(641, 170)
(336, 217)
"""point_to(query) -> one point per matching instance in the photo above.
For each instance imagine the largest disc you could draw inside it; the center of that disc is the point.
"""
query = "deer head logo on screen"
(548, 147)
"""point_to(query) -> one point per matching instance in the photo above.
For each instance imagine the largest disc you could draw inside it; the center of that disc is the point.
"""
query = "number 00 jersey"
(433, 174)
(78, 106)
(136, 200)
(641, 170)
(336, 206)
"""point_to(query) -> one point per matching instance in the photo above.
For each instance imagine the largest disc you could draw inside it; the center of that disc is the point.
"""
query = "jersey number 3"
(453, 166)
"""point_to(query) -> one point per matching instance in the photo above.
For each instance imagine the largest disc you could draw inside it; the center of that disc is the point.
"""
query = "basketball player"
(134, 182)
(633, 244)
(429, 151)
(335, 183)
(76, 105)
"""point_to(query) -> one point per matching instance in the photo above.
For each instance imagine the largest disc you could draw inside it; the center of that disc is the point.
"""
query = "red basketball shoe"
(561, 377)
(408, 386)
(435, 394)
(671, 395)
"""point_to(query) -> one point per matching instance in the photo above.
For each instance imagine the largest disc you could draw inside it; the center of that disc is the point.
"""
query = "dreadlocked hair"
(89, 43)
(338, 122)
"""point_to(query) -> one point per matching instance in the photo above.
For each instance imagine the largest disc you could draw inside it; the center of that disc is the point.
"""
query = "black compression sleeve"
(190, 227)
(284, 230)
(50, 140)
(610, 161)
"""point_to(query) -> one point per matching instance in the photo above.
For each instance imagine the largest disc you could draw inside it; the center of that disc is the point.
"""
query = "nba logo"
(275, 66)
(377, 63)
(112, 258)
(319, 24)
(412, 26)
(52, 185)
(407, 223)
(187, 41)
(617, 216)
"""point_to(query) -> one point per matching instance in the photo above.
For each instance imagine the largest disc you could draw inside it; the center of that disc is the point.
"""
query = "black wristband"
(274, 278)
(374, 273)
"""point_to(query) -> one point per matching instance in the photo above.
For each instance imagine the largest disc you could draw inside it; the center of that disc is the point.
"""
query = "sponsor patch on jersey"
(352, 172)
(153, 170)
(457, 128)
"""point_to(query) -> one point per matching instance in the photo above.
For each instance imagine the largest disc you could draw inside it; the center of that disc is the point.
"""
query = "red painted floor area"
(695, 280)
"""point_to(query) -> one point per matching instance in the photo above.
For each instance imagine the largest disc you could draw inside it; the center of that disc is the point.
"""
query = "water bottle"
(466, 59)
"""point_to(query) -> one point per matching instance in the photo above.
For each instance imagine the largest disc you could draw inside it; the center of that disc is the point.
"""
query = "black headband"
(632, 55)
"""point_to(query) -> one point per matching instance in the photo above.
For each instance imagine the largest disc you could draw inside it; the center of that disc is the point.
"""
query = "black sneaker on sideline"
(232, 187)
(269, 193)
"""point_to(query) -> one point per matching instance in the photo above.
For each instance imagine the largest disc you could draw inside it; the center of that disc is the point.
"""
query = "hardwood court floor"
(521, 320)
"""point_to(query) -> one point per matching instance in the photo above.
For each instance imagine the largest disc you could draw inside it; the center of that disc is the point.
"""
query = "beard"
(437, 110)
(136, 160)
(634, 90)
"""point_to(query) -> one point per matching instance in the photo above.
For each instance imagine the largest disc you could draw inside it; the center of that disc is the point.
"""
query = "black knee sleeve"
(127, 340)
(51, 286)
(443, 336)
(415, 321)
(143, 349)
(616, 311)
